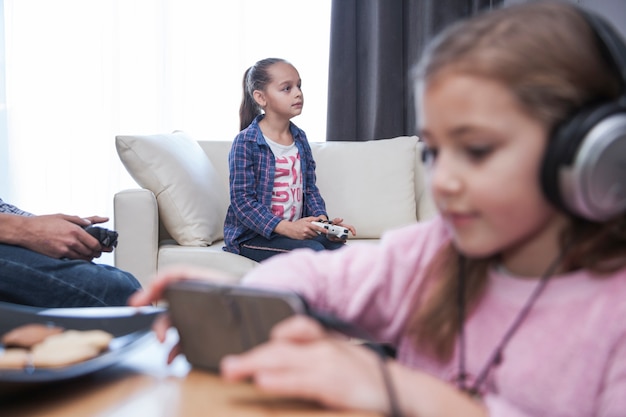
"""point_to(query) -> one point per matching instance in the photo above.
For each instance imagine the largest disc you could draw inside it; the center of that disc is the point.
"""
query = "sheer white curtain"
(78, 72)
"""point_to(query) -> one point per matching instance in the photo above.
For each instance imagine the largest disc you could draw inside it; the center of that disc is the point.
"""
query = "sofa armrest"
(136, 219)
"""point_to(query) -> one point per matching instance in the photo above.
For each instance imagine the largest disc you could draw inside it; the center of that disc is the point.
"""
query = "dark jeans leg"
(30, 278)
(259, 248)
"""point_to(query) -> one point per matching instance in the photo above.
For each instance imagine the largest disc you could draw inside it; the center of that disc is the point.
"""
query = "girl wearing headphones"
(511, 302)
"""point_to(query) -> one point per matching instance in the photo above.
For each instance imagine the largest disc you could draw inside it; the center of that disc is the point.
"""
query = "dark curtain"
(374, 44)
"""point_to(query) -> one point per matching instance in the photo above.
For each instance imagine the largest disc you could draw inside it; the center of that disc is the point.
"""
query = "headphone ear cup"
(584, 166)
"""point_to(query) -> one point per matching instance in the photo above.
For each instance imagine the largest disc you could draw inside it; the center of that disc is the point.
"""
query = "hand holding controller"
(333, 230)
(107, 238)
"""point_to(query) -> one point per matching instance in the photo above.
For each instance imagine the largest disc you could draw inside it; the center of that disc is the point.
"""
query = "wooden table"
(143, 385)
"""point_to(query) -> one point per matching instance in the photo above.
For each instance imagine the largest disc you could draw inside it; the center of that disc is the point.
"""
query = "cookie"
(98, 339)
(29, 335)
(70, 347)
(54, 355)
(14, 358)
(46, 347)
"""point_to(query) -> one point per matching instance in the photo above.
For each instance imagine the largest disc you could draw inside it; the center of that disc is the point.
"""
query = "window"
(79, 72)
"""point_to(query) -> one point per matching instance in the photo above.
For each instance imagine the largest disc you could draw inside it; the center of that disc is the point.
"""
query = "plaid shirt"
(252, 169)
(11, 209)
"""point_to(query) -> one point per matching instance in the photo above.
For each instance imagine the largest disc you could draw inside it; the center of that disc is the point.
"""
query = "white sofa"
(176, 215)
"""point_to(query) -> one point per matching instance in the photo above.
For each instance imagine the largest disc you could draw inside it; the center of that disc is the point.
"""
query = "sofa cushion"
(192, 198)
(370, 184)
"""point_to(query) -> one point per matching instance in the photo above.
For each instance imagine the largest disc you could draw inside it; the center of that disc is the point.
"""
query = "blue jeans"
(30, 278)
(259, 248)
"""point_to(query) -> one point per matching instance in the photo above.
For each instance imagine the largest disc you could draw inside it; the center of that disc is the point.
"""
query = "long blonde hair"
(547, 55)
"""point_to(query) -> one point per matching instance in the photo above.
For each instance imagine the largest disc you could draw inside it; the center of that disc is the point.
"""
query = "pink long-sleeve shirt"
(568, 359)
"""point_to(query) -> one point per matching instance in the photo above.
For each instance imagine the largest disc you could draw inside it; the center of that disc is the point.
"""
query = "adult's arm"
(55, 235)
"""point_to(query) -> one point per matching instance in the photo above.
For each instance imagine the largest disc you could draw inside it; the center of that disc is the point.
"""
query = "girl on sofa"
(510, 302)
(273, 196)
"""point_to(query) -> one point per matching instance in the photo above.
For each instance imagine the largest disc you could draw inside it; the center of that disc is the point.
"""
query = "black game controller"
(106, 237)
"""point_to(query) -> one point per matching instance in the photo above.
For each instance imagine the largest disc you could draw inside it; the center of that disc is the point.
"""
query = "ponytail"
(249, 109)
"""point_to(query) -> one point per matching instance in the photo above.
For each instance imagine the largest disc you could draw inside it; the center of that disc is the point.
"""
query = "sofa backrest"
(374, 185)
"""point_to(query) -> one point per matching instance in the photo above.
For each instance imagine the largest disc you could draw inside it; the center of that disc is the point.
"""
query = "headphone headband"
(584, 167)
(611, 42)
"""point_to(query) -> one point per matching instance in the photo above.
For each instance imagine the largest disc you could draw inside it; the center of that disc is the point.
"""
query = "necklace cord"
(496, 356)
(461, 318)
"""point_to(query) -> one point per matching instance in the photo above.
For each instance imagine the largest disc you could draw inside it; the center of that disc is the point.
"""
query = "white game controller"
(333, 229)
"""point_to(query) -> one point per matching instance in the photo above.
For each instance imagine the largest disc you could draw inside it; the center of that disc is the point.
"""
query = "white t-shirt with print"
(287, 192)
